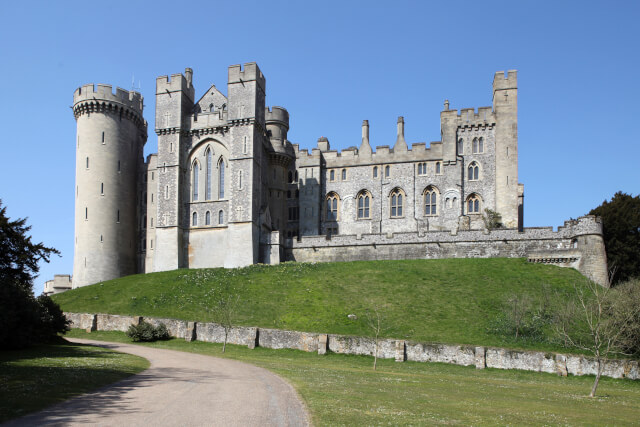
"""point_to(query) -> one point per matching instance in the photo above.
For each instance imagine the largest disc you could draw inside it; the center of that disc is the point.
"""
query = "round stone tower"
(280, 155)
(111, 134)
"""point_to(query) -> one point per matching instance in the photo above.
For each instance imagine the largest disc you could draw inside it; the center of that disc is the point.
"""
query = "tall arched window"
(194, 219)
(473, 204)
(207, 218)
(474, 148)
(430, 201)
(473, 172)
(396, 198)
(480, 145)
(460, 146)
(364, 204)
(333, 202)
(221, 179)
(375, 171)
(221, 217)
(290, 176)
(195, 171)
(209, 157)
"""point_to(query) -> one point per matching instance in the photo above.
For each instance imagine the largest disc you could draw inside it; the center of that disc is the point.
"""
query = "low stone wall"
(400, 350)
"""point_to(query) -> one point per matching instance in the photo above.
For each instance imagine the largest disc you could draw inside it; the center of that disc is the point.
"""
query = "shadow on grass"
(105, 401)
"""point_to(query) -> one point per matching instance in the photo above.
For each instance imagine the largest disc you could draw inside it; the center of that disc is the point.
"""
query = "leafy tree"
(24, 320)
(621, 224)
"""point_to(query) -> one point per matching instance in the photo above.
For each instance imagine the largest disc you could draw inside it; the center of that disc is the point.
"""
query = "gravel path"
(181, 389)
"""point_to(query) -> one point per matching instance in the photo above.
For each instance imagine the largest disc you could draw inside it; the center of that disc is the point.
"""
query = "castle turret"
(280, 156)
(505, 107)
(111, 134)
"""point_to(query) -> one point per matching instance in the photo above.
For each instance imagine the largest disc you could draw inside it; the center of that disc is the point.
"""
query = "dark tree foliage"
(621, 223)
(24, 319)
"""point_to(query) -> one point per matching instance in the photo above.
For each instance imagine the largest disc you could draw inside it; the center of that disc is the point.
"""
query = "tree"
(25, 320)
(621, 227)
(599, 323)
(374, 322)
(221, 300)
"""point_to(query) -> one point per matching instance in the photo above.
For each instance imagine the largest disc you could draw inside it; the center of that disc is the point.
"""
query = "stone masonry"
(228, 189)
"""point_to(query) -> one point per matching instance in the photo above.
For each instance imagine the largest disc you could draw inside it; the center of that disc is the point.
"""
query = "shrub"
(146, 332)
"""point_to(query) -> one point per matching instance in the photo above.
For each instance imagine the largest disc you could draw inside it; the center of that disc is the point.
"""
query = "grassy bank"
(38, 377)
(450, 301)
(344, 390)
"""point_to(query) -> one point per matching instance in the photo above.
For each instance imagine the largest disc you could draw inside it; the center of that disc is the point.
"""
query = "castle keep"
(228, 189)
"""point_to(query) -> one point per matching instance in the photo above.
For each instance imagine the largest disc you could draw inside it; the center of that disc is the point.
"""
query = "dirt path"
(181, 389)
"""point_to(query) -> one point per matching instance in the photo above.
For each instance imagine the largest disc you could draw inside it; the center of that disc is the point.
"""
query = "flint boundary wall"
(400, 350)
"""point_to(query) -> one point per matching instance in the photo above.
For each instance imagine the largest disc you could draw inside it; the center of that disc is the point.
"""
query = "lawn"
(344, 390)
(38, 377)
(448, 301)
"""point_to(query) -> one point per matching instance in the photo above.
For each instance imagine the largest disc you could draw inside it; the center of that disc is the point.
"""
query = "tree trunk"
(224, 346)
(375, 356)
(595, 384)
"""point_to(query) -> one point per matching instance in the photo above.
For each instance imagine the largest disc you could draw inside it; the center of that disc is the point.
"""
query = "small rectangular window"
(152, 176)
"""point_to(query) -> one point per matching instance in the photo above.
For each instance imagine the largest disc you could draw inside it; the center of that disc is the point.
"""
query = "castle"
(228, 189)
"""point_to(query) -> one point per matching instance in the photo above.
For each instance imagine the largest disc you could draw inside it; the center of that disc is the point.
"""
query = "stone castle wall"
(577, 244)
(400, 350)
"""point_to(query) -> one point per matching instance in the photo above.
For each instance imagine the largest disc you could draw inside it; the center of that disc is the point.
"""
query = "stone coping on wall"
(585, 225)
(479, 356)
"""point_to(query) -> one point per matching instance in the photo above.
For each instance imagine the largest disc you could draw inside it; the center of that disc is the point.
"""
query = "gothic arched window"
(221, 179)
(473, 172)
(220, 217)
(364, 204)
(209, 157)
(396, 198)
(333, 202)
(207, 218)
(195, 170)
(473, 204)
(430, 200)
(194, 219)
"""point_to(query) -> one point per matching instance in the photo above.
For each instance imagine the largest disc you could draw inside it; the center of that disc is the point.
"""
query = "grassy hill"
(450, 301)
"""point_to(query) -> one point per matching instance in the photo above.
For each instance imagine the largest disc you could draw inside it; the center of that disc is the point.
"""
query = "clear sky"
(332, 64)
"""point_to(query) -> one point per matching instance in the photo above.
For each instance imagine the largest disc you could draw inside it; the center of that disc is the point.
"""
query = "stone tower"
(111, 134)
(505, 107)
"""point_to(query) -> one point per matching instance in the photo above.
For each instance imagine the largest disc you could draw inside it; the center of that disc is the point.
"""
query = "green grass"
(344, 390)
(448, 301)
(38, 377)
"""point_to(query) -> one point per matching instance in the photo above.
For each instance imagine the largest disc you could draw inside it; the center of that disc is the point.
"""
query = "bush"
(146, 332)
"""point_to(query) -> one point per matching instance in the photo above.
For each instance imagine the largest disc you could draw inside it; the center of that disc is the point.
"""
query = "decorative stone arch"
(473, 204)
(332, 206)
(450, 199)
(431, 200)
(397, 198)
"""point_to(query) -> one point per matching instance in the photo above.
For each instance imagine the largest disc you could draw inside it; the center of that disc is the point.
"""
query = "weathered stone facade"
(227, 188)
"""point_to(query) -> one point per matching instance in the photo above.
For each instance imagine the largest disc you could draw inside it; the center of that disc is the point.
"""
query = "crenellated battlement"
(103, 92)
(584, 225)
(508, 80)
(276, 114)
(176, 83)
(468, 117)
(250, 72)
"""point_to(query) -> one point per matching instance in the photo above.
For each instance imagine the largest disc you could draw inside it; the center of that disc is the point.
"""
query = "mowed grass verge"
(448, 301)
(344, 390)
(35, 378)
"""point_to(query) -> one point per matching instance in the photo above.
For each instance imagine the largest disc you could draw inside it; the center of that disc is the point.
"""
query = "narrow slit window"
(221, 180)
(103, 138)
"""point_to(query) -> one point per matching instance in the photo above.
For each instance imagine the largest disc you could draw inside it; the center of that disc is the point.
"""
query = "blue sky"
(332, 65)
